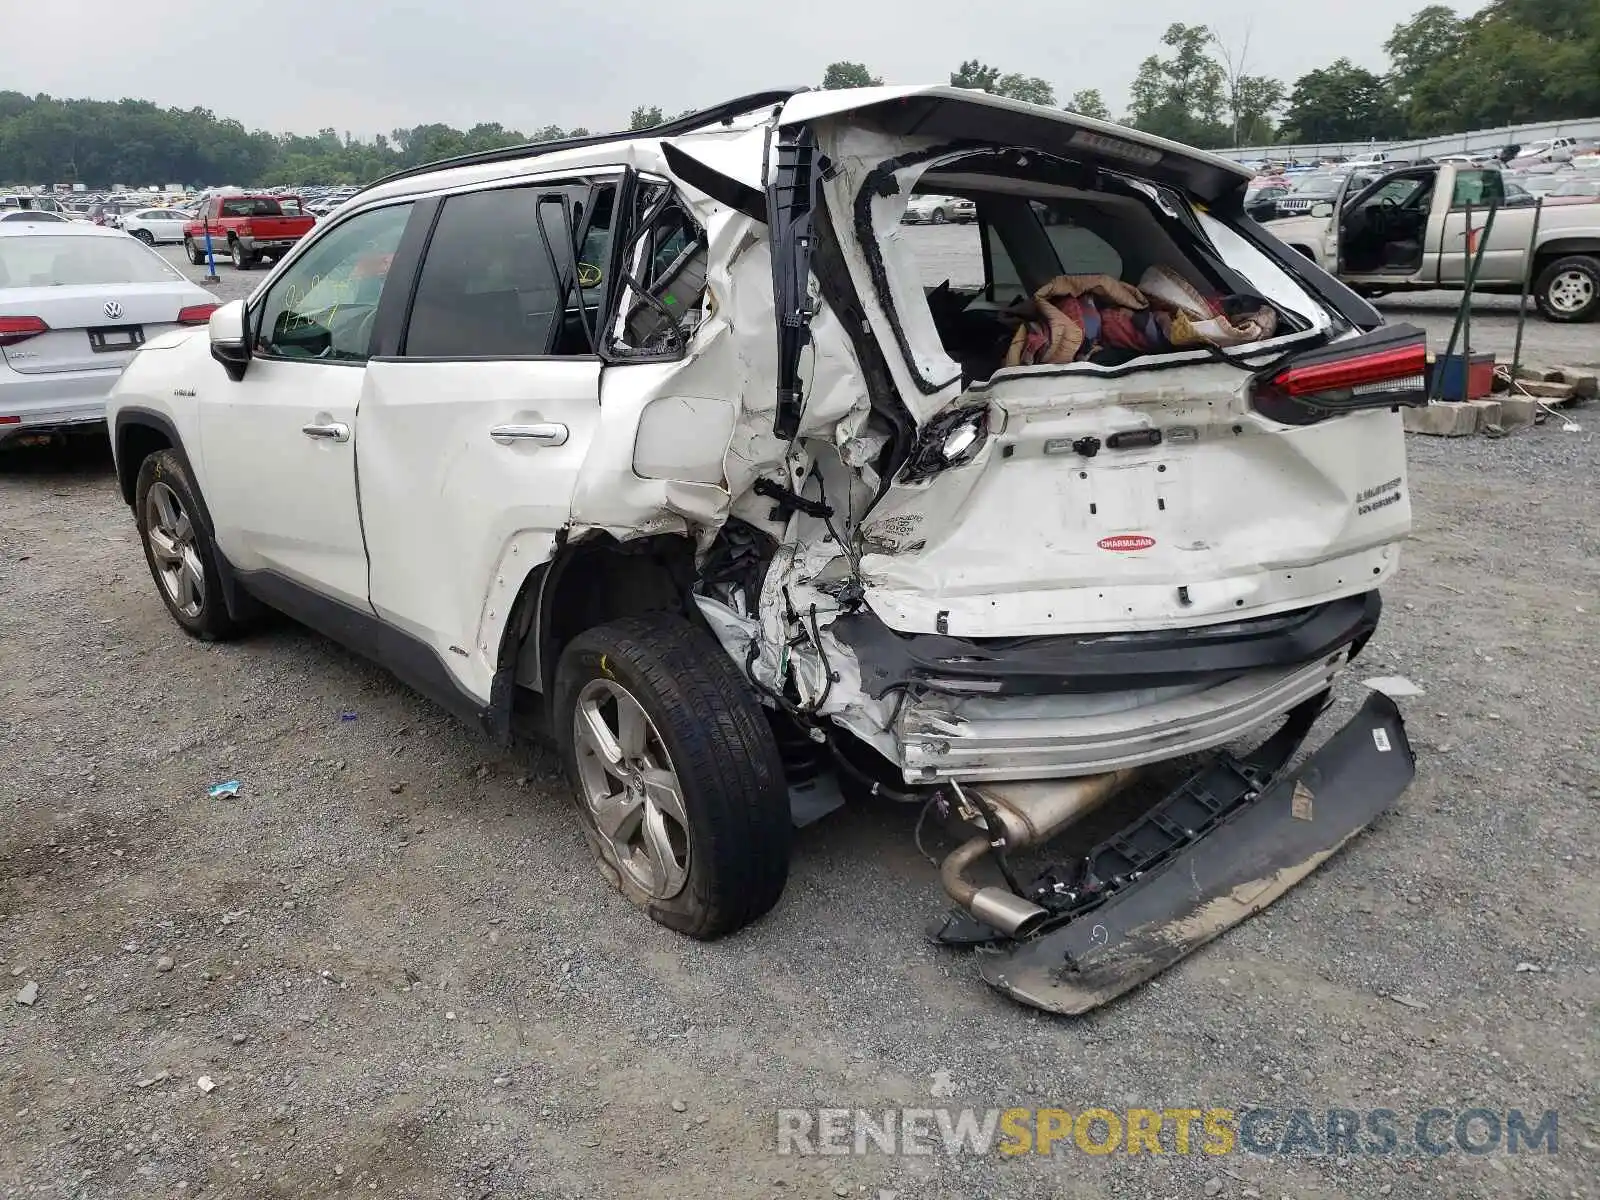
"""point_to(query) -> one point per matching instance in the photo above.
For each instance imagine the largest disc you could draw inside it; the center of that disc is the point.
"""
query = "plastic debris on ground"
(1396, 687)
(220, 791)
(347, 716)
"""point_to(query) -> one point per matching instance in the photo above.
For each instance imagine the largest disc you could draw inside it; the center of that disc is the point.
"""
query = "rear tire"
(241, 260)
(686, 768)
(1568, 290)
(939, 217)
(197, 256)
(179, 550)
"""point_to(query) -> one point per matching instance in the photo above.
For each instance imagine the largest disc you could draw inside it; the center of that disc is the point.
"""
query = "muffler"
(1028, 814)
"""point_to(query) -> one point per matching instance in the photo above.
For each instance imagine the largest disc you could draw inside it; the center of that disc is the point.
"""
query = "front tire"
(1568, 290)
(675, 773)
(145, 236)
(179, 549)
(939, 216)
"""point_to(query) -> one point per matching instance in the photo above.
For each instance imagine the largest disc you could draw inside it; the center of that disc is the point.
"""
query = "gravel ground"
(391, 957)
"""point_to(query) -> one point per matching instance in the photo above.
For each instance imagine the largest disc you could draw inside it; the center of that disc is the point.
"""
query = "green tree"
(1512, 62)
(1181, 96)
(645, 118)
(1088, 102)
(1434, 35)
(1254, 101)
(974, 74)
(1025, 87)
(848, 75)
(1342, 103)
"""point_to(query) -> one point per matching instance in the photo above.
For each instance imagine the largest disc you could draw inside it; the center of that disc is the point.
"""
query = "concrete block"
(1539, 373)
(1488, 412)
(1446, 418)
(1585, 382)
(1548, 391)
(1517, 412)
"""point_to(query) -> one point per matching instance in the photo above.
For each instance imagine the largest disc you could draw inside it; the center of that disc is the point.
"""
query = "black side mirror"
(230, 338)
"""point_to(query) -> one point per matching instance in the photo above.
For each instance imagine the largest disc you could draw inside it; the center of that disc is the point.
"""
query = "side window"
(664, 277)
(1080, 251)
(1479, 189)
(324, 305)
(498, 278)
(1395, 192)
(1005, 281)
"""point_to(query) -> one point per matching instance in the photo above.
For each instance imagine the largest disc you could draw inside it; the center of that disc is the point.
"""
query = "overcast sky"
(301, 65)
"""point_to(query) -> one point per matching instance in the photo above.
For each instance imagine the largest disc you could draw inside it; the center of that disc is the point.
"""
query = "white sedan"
(76, 302)
(152, 225)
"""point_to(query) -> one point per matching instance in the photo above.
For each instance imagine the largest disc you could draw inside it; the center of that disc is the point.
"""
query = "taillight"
(20, 329)
(1384, 369)
(196, 314)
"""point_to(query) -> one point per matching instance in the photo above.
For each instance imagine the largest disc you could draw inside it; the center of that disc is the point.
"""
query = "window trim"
(256, 305)
(617, 176)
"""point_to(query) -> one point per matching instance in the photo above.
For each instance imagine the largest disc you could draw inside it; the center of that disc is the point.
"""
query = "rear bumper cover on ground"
(1238, 868)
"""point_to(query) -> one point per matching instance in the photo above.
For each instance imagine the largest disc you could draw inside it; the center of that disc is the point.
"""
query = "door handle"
(546, 433)
(334, 431)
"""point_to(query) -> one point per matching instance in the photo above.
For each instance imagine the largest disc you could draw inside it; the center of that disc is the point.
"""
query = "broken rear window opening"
(664, 277)
(1066, 264)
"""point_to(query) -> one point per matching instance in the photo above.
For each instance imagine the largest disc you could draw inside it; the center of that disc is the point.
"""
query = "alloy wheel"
(171, 535)
(1570, 292)
(630, 788)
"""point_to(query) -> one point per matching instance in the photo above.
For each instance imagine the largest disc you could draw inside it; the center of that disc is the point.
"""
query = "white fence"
(1455, 143)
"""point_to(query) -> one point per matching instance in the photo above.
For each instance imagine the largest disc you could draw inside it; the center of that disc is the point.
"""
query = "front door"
(280, 444)
(1383, 230)
(472, 436)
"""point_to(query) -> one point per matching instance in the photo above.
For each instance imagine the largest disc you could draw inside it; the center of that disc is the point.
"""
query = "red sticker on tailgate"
(1126, 541)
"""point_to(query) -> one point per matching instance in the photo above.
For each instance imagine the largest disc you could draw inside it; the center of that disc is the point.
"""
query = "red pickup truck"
(247, 228)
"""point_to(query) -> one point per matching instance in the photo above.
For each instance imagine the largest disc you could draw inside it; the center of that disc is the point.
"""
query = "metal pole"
(1466, 300)
(1527, 282)
(211, 260)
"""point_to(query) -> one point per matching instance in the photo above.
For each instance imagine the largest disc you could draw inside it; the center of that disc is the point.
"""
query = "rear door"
(167, 225)
(475, 426)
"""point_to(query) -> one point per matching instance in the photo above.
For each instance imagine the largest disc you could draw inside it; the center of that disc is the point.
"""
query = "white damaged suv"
(679, 447)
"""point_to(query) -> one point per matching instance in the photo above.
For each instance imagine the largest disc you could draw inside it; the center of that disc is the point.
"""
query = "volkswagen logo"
(113, 310)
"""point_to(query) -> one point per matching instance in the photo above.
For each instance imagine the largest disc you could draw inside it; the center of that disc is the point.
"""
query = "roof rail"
(688, 123)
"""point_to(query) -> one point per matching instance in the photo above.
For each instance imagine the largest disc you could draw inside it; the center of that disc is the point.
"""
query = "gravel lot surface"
(391, 960)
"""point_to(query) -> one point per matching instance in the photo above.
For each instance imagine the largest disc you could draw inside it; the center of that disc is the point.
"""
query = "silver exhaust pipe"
(1029, 813)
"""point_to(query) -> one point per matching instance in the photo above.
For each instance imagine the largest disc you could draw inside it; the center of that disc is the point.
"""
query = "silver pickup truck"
(1407, 231)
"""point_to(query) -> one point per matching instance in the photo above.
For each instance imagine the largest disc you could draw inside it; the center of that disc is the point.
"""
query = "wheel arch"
(590, 581)
(1564, 247)
(136, 434)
